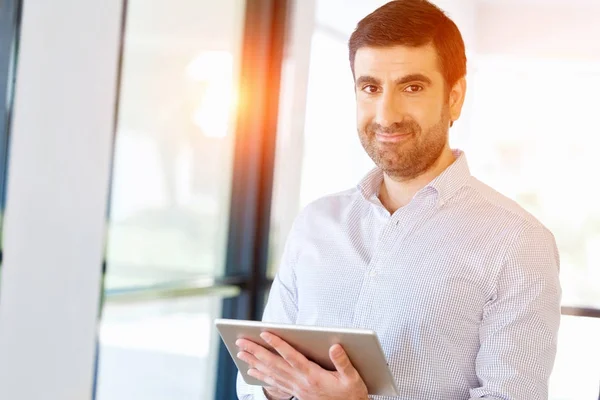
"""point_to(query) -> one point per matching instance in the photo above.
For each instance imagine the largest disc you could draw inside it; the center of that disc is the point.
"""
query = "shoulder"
(498, 208)
(498, 212)
(331, 202)
(330, 211)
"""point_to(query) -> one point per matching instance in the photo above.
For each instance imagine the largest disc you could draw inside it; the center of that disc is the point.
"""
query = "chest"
(419, 274)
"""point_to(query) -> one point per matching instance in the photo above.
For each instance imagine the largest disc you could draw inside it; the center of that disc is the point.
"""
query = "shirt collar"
(445, 185)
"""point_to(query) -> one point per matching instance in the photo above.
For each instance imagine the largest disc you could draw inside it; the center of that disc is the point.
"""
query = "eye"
(413, 88)
(370, 89)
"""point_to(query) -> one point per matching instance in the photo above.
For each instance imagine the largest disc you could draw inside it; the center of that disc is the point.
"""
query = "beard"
(412, 156)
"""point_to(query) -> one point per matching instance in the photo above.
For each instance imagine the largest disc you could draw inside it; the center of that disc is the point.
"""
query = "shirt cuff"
(258, 394)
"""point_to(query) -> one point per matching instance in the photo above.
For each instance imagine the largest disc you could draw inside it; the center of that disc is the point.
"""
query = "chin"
(402, 174)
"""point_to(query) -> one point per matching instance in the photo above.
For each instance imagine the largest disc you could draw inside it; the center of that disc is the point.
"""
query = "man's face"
(403, 108)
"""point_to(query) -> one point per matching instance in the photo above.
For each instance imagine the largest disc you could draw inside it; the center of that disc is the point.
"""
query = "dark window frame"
(264, 40)
(10, 25)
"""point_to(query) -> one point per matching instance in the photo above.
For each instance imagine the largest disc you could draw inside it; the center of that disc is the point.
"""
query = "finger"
(273, 362)
(270, 381)
(261, 376)
(341, 361)
(255, 363)
(289, 354)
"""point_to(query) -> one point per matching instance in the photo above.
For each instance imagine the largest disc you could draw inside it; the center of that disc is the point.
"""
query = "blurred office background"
(172, 143)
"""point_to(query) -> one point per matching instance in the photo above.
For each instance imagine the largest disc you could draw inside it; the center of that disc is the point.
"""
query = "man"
(459, 282)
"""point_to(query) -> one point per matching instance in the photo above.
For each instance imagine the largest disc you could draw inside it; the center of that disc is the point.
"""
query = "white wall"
(57, 194)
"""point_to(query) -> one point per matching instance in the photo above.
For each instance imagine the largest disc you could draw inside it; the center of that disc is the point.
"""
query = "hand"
(304, 379)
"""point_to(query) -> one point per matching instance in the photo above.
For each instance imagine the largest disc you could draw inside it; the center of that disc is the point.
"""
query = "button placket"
(364, 303)
(367, 292)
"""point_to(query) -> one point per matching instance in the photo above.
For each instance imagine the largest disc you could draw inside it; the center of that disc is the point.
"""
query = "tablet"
(361, 345)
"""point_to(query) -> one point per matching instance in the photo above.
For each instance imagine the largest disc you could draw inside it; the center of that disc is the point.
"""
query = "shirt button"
(373, 273)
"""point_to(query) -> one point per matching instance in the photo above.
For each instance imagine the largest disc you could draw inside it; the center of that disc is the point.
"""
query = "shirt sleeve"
(282, 306)
(518, 333)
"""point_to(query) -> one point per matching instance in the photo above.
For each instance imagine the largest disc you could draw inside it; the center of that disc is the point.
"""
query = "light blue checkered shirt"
(461, 286)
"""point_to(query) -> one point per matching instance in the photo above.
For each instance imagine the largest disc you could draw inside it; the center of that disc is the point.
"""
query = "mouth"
(392, 138)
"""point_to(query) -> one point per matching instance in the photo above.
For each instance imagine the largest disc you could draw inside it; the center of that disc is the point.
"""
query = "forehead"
(397, 60)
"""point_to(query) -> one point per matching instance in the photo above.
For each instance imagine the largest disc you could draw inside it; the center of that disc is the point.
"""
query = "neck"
(396, 193)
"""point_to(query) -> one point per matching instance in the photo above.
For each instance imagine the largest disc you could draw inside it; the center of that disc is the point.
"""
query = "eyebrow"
(365, 80)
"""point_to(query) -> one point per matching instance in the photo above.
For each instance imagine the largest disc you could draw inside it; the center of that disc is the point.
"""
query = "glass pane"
(576, 374)
(159, 350)
(169, 205)
(174, 143)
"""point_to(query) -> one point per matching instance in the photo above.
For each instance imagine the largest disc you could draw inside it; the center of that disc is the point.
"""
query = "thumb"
(341, 361)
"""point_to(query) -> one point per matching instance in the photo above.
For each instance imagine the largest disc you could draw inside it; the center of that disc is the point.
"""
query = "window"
(170, 199)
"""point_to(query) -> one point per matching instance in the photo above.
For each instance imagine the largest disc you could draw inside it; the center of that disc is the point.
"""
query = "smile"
(392, 138)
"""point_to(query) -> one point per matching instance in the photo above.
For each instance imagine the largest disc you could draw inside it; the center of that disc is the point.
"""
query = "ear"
(456, 98)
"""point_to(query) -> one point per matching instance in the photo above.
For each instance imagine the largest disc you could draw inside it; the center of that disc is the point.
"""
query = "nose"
(388, 110)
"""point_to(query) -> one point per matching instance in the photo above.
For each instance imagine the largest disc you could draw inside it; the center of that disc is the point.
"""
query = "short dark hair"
(413, 23)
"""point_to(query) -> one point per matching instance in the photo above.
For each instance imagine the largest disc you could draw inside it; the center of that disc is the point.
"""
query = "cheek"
(426, 114)
(365, 113)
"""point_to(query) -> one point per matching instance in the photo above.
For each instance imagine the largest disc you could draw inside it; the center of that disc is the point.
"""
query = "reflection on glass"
(159, 350)
(169, 205)
(173, 153)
